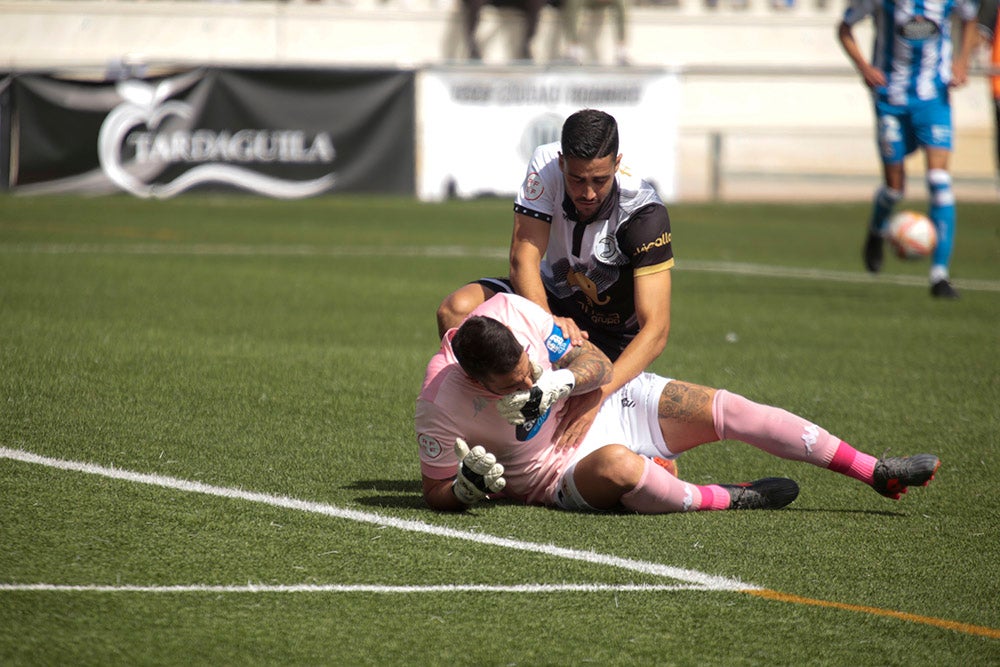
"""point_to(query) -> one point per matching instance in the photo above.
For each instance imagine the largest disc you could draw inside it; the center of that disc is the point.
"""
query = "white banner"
(477, 127)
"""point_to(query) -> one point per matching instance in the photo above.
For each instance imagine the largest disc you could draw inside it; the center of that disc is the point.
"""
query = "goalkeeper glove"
(478, 475)
(523, 406)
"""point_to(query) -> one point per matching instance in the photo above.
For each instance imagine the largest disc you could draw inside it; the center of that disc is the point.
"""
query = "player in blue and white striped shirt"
(913, 66)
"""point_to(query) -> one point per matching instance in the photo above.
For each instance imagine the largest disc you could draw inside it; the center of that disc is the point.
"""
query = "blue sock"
(942, 213)
(885, 200)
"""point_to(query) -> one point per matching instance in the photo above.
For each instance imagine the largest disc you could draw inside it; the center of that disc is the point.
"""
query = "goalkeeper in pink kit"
(490, 404)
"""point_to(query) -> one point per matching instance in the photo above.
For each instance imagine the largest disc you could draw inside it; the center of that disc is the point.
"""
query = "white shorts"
(629, 417)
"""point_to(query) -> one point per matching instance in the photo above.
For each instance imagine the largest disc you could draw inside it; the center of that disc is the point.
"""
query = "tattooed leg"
(686, 402)
(685, 412)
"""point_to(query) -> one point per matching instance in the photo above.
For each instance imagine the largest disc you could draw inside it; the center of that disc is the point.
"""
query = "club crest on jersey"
(606, 248)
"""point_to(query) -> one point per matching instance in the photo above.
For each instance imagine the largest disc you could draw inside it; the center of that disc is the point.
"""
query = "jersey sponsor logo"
(533, 187)
(660, 241)
(606, 319)
(587, 286)
(529, 429)
(556, 344)
(429, 446)
(918, 29)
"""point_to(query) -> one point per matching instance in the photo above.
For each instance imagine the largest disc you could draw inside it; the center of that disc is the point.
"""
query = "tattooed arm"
(590, 367)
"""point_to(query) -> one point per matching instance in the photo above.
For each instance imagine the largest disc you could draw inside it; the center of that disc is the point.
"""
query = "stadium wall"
(769, 107)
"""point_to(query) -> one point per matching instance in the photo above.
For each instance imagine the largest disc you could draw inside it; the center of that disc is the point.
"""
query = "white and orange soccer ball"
(912, 235)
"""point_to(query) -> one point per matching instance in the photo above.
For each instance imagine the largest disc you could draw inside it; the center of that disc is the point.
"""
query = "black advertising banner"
(278, 133)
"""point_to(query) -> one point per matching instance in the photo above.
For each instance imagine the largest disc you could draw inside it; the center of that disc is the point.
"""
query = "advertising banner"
(278, 133)
(478, 127)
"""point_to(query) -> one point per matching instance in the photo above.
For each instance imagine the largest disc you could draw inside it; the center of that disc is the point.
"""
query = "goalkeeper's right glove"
(478, 475)
(549, 387)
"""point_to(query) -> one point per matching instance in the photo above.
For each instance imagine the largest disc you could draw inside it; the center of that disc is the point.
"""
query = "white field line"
(826, 275)
(445, 252)
(691, 577)
(355, 588)
(247, 250)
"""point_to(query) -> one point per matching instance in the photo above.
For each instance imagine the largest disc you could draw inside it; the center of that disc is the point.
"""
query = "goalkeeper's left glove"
(478, 475)
(550, 386)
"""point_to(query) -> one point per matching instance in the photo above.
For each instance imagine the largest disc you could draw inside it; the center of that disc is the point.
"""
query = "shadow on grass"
(391, 485)
(823, 510)
(397, 493)
(406, 494)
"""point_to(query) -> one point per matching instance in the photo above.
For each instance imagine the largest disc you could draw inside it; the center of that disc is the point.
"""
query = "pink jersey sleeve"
(444, 385)
(436, 435)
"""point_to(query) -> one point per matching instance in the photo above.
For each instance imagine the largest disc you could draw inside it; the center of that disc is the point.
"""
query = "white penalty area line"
(451, 252)
(691, 578)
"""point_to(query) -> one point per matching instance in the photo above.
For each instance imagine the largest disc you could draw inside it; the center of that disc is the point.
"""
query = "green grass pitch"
(241, 375)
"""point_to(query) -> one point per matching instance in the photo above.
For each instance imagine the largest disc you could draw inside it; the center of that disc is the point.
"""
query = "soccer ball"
(912, 235)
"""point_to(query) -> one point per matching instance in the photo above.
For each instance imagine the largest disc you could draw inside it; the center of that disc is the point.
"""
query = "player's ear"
(618, 161)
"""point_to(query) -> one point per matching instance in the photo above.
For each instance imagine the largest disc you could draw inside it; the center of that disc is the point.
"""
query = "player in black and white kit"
(589, 267)
(591, 244)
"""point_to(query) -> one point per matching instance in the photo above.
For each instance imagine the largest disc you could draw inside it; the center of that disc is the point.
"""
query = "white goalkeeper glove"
(478, 475)
(550, 386)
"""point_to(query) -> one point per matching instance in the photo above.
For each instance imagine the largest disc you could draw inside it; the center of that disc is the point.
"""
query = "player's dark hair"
(484, 347)
(589, 134)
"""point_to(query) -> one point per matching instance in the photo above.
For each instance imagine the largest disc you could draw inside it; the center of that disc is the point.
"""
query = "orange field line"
(967, 628)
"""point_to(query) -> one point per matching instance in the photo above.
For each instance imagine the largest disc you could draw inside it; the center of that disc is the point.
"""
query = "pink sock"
(771, 429)
(659, 492)
(788, 436)
(714, 497)
(849, 461)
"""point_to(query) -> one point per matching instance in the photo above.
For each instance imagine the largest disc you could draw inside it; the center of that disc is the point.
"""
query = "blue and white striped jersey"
(913, 44)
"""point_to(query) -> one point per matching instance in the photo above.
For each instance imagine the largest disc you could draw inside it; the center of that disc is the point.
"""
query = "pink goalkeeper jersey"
(451, 405)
